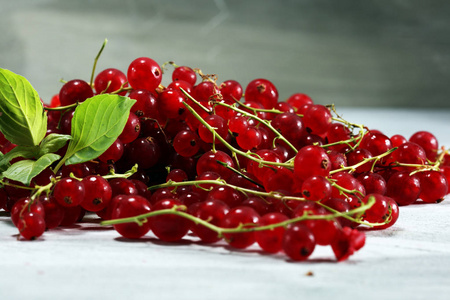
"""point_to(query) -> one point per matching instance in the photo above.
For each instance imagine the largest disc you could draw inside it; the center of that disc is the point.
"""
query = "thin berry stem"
(262, 121)
(352, 168)
(91, 82)
(140, 219)
(230, 147)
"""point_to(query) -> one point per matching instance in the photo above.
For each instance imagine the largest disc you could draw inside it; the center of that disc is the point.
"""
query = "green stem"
(140, 219)
(262, 121)
(230, 147)
(62, 107)
(95, 62)
(352, 168)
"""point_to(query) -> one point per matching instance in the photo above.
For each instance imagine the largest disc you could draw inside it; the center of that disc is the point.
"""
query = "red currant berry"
(74, 91)
(110, 80)
(428, 142)
(262, 91)
(98, 193)
(146, 104)
(131, 206)
(131, 130)
(54, 213)
(31, 225)
(144, 73)
(69, 192)
(434, 186)
(311, 161)
(317, 119)
(316, 188)
(169, 227)
(184, 73)
(271, 240)
(298, 242)
(403, 187)
(240, 216)
(212, 211)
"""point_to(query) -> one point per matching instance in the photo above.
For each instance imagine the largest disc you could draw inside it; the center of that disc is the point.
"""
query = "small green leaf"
(19, 151)
(25, 170)
(96, 124)
(53, 142)
(22, 117)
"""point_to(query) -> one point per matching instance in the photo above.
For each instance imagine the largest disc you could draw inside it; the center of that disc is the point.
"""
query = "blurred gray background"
(347, 52)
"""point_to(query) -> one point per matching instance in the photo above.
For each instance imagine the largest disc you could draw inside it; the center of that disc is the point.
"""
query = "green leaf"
(22, 117)
(96, 124)
(19, 151)
(53, 142)
(25, 170)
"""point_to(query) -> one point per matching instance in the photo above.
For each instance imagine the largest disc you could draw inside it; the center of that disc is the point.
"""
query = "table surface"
(410, 260)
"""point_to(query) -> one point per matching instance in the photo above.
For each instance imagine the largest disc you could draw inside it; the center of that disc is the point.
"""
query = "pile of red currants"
(221, 162)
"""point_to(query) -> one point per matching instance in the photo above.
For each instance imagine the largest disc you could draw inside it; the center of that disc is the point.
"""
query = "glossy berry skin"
(177, 175)
(349, 182)
(144, 73)
(23, 205)
(428, 142)
(376, 143)
(237, 216)
(231, 91)
(74, 91)
(170, 102)
(338, 132)
(31, 225)
(131, 130)
(110, 80)
(145, 152)
(378, 211)
(219, 125)
(113, 153)
(184, 73)
(393, 214)
(316, 188)
(122, 186)
(98, 193)
(279, 178)
(289, 125)
(410, 153)
(324, 231)
(212, 211)
(205, 91)
(130, 206)
(311, 161)
(226, 194)
(69, 192)
(374, 183)
(403, 188)
(434, 186)
(208, 162)
(186, 143)
(249, 139)
(146, 104)
(179, 85)
(298, 242)
(271, 241)
(298, 100)
(169, 228)
(317, 119)
(358, 156)
(54, 213)
(347, 242)
(397, 140)
(262, 91)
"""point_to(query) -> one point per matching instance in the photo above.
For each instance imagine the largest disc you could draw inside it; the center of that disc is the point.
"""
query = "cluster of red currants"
(227, 163)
